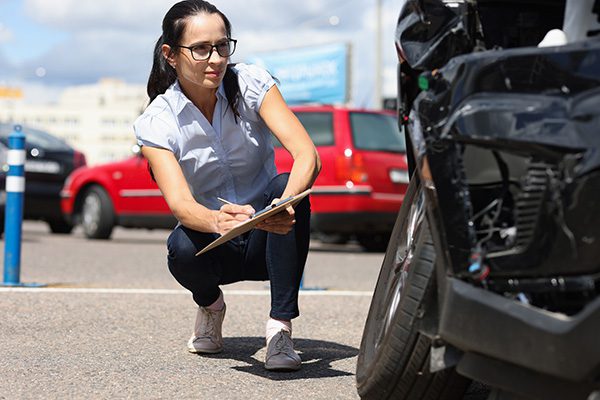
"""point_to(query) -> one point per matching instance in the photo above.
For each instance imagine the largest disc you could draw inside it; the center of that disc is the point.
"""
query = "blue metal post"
(13, 211)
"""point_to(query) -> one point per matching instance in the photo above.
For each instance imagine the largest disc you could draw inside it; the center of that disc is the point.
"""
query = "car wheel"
(393, 361)
(97, 214)
(374, 242)
(60, 226)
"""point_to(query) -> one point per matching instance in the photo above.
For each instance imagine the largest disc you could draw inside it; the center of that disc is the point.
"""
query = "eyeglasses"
(202, 52)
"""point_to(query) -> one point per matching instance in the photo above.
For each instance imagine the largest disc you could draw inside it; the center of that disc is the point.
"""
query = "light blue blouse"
(228, 159)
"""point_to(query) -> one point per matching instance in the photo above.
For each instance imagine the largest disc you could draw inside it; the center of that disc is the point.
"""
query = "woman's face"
(201, 29)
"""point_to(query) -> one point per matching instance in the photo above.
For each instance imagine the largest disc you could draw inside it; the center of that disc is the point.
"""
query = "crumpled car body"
(506, 144)
(519, 130)
(510, 144)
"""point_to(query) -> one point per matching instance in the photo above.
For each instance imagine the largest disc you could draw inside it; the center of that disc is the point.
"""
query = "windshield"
(371, 131)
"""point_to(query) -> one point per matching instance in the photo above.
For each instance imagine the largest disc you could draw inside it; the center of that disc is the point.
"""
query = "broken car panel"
(493, 270)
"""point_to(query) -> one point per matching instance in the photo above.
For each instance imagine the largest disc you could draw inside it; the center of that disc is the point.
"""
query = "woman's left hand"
(280, 223)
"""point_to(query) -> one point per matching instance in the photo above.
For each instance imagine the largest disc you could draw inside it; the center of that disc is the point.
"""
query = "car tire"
(393, 361)
(60, 227)
(97, 213)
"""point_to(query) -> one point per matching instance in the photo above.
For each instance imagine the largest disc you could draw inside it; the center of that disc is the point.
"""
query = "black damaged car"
(492, 272)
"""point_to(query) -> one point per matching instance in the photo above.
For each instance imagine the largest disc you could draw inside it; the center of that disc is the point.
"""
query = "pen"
(224, 201)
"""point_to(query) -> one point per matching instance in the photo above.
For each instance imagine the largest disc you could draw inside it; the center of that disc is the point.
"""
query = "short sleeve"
(154, 130)
(254, 83)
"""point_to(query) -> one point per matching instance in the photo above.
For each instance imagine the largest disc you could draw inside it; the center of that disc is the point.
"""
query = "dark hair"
(162, 74)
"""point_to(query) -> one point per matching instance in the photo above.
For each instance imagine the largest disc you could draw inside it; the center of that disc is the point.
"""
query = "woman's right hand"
(231, 215)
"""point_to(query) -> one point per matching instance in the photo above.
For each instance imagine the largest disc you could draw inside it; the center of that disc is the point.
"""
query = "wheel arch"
(83, 189)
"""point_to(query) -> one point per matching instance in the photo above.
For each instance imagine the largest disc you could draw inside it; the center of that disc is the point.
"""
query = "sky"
(48, 45)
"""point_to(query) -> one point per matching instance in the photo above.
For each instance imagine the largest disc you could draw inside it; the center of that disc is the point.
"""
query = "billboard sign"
(316, 74)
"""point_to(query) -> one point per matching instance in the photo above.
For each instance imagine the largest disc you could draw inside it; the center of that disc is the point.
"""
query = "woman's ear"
(169, 55)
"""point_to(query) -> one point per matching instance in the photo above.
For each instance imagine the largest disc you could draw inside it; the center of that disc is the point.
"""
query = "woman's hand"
(232, 214)
(281, 223)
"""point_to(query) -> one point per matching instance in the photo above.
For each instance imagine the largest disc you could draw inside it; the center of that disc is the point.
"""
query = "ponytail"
(162, 74)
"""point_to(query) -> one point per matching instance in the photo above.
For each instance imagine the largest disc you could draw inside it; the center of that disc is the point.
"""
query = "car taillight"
(78, 159)
(350, 167)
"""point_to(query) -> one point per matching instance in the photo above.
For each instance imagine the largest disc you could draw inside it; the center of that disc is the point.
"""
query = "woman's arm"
(178, 196)
(289, 131)
(292, 135)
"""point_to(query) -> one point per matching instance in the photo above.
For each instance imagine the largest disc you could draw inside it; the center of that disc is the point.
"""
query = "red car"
(358, 193)
(364, 172)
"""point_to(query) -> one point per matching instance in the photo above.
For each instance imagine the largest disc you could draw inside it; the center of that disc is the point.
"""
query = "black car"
(49, 161)
(492, 273)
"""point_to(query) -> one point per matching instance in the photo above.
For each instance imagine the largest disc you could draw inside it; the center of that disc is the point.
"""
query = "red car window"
(372, 131)
(319, 126)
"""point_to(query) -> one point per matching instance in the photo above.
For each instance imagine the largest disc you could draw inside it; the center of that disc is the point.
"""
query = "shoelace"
(208, 328)
(285, 345)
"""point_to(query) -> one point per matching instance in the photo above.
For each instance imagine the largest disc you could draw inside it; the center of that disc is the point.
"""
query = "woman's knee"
(180, 247)
(277, 185)
(191, 271)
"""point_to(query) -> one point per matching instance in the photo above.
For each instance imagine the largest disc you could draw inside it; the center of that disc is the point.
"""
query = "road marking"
(309, 292)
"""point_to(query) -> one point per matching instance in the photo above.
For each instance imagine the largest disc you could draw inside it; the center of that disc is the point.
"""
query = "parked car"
(115, 194)
(49, 160)
(364, 172)
(491, 273)
(359, 190)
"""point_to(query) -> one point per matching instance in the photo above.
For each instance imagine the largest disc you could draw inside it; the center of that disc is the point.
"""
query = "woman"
(206, 135)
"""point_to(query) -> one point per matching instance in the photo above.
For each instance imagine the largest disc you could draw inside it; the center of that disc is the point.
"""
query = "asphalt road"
(112, 323)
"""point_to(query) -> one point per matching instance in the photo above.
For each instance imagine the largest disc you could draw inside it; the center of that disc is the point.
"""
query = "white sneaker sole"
(204, 351)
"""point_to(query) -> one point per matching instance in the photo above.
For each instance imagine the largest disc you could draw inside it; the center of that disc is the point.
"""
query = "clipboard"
(258, 217)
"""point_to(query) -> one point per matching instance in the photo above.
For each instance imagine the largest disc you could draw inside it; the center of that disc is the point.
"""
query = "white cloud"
(91, 55)
(115, 37)
(5, 33)
(82, 15)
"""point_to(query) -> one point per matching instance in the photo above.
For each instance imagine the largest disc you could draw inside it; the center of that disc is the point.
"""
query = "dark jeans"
(255, 255)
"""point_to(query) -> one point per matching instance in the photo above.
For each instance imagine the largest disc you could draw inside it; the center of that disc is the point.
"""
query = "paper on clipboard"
(260, 216)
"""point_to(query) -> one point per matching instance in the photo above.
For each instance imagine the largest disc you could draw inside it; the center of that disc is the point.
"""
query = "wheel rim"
(402, 262)
(91, 212)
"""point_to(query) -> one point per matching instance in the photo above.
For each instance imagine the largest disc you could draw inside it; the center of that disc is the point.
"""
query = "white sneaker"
(207, 337)
(280, 353)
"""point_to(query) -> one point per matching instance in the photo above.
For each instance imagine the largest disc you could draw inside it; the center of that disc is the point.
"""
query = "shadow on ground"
(317, 357)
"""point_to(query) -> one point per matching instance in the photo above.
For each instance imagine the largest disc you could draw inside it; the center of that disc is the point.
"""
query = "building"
(96, 119)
